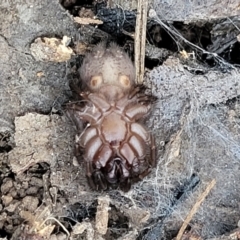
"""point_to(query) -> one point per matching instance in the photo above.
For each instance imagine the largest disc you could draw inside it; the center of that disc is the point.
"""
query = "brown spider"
(118, 149)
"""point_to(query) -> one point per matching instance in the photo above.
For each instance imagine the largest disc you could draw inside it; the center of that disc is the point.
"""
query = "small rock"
(12, 207)
(30, 203)
(13, 193)
(3, 216)
(6, 199)
(37, 182)
(60, 236)
(32, 191)
(25, 185)
(6, 186)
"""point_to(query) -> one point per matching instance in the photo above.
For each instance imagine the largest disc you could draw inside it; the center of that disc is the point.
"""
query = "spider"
(118, 148)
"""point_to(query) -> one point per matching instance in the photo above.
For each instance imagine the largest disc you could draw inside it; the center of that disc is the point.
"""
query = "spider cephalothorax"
(118, 149)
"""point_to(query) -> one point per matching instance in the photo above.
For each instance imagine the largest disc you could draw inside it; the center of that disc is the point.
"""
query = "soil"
(196, 123)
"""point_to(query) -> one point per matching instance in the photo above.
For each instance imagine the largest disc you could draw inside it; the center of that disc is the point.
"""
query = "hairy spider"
(118, 149)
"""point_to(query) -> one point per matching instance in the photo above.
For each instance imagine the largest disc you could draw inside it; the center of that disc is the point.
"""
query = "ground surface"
(44, 193)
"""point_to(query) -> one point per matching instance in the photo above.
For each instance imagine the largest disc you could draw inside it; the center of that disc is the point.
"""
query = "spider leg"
(144, 174)
(139, 94)
(142, 98)
(137, 111)
(89, 175)
(75, 107)
(134, 92)
(86, 113)
(99, 180)
(152, 159)
(98, 101)
(74, 119)
(78, 152)
(125, 185)
(96, 178)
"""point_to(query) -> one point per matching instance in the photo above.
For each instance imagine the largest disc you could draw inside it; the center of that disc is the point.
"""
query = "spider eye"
(96, 81)
(124, 80)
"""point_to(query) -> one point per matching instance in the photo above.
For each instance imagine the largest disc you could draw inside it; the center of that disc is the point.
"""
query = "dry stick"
(140, 39)
(195, 208)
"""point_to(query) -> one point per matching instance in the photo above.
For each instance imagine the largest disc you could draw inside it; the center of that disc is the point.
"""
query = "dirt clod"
(30, 203)
(51, 49)
(6, 200)
(7, 185)
(102, 215)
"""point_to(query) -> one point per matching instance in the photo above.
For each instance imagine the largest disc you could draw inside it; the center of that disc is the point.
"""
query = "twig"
(63, 227)
(140, 39)
(196, 206)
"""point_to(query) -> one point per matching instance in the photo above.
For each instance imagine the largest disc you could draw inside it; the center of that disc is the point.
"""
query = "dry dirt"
(44, 193)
